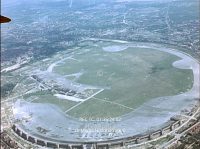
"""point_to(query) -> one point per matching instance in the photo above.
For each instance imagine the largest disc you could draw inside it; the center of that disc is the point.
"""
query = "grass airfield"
(131, 77)
(109, 80)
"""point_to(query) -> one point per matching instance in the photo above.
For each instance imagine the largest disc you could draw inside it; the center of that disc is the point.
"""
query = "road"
(170, 133)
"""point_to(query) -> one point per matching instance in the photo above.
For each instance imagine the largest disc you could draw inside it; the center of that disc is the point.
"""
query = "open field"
(104, 90)
(130, 78)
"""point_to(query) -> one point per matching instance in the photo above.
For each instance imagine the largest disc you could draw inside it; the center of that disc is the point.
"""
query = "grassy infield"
(134, 75)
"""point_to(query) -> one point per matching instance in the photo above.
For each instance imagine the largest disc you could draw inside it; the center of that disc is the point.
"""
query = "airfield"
(103, 91)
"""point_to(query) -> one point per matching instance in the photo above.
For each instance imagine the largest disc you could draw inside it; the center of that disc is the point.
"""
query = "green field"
(130, 77)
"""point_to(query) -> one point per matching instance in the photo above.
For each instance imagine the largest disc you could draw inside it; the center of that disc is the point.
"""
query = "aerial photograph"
(100, 74)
